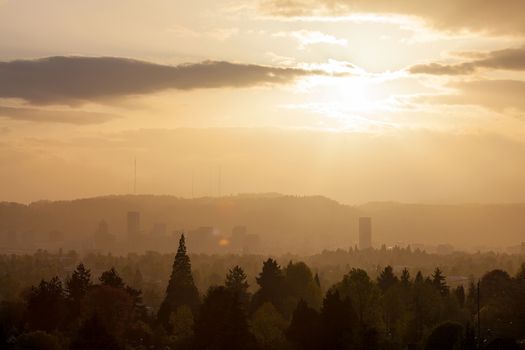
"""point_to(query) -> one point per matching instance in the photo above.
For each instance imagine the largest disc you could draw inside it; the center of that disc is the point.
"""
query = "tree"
(76, 288)
(337, 319)
(300, 284)
(112, 306)
(419, 277)
(271, 282)
(93, 335)
(305, 328)
(459, 292)
(268, 327)
(222, 323)
(236, 282)
(405, 278)
(438, 281)
(363, 294)
(111, 278)
(445, 336)
(46, 305)
(181, 288)
(386, 279)
(37, 340)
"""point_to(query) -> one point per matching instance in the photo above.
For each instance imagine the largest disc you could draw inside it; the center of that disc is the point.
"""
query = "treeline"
(150, 272)
(287, 309)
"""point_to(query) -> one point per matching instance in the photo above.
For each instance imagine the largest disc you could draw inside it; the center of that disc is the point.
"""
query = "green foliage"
(271, 283)
(222, 323)
(387, 279)
(94, 335)
(304, 330)
(268, 327)
(236, 281)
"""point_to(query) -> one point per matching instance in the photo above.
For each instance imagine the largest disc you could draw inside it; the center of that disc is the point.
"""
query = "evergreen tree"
(271, 282)
(438, 281)
(76, 288)
(111, 278)
(459, 292)
(405, 278)
(93, 335)
(386, 279)
(419, 277)
(222, 323)
(337, 320)
(46, 305)
(181, 289)
(236, 282)
(305, 328)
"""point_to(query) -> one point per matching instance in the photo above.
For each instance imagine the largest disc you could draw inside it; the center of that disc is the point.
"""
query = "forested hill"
(310, 222)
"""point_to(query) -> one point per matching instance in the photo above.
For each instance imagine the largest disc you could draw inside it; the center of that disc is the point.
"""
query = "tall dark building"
(365, 233)
(133, 224)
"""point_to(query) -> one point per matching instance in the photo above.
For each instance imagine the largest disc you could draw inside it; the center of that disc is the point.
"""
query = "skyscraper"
(133, 224)
(365, 233)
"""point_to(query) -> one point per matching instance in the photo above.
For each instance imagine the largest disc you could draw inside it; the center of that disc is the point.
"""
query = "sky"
(356, 100)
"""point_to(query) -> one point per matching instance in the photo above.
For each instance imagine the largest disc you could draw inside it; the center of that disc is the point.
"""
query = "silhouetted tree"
(111, 278)
(37, 340)
(236, 282)
(305, 328)
(181, 289)
(93, 335)
(386, 279)
(76, 288)
(405, 278)
(459, 292)
(438, 281)
(337, 321)
(300, 284)
(271, 282)
(46, 305)
(445, 336)
(222, 323)
(268, 327)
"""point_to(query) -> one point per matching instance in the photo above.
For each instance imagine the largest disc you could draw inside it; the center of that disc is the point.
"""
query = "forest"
(287, 307)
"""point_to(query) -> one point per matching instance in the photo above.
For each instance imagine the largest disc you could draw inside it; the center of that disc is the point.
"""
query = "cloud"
(75, 80)
(497, 95)
(307, 37)
(508, 59)
(450, 15)
(49, 116)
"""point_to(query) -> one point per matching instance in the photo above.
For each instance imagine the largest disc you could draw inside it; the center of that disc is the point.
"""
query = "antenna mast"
(135, 178)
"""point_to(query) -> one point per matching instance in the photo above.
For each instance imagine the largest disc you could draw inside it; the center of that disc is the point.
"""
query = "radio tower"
(135, 178)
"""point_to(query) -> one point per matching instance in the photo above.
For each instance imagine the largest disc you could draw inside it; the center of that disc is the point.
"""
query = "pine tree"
(337, 320)
(76, 288)
(181, 289)
(111, 278)
(271, 282)
(236, 283)
(460, 295)
(405, 278)
(386, 279)
(79, 282)
(222, 323)
(438, 281)
(305, 328)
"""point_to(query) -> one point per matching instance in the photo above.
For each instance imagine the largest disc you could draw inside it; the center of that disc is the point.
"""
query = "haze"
(357, 101)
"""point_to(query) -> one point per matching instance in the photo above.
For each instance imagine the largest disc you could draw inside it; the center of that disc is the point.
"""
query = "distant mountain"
(303, 224)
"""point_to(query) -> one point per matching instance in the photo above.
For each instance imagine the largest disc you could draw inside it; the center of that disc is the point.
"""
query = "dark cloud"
(73, 80)
(499, 17)
(47, 116)
(509, 59)
(497, 95)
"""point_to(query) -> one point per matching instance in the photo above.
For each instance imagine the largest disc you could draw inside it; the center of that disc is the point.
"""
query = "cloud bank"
(63, 116)
(75, 80)
(497, 17)
(508, 59)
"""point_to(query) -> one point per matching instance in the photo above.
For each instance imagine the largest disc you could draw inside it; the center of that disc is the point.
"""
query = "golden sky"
(358, 100)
